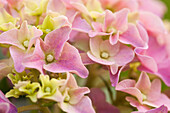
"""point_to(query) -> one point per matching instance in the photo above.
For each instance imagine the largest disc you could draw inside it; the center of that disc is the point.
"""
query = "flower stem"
(109, 90)
(37, 20)
(33, 107)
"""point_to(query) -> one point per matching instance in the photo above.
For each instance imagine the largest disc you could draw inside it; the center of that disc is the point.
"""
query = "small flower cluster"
(49, 42)
(60, 88)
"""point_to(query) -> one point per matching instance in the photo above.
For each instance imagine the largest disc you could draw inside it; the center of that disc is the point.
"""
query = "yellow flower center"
(67, 98)
(47, 89)
(104, 55)
(50, 58)
(26, 43)
(144, 97)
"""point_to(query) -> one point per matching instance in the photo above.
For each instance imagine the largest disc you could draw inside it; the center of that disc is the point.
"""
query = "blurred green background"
(167, 15)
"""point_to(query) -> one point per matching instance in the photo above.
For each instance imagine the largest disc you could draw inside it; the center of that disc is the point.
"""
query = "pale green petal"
(34, 8)
(7, 22)
(13, 93)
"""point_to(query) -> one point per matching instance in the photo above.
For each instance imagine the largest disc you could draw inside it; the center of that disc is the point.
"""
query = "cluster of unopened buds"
(111, 48)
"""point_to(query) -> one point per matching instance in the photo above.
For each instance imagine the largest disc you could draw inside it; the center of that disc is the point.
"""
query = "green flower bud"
(50, 88)
(31, 90)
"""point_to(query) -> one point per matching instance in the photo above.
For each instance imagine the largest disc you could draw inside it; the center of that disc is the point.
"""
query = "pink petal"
(132, 5)
(155, 90)
(114, 77)
(80, 7)
(100, 60)
(77, 94)
(84, 106)
(132, 36)
(97, 33)
(128, 86)
(80, 41)
(4, 107)
(111, 49)
(110, 18)
(152, 22)
(162, 100)
(121, 22)
(155, 6)
(37, 59)
(81, 25)
(144, 83)
(163, 73)
(95, 46)
(3, 98)
(161, 109)
(97, 27)
(55, 40)
(23, 32)
(71, 81)
(143, 33)
(146, 61)
(135, 103)
(11, 37)
(153, 49)
(56, 6)
(114, 38)
(17, 56)
(124, 56)
(114, 69)
(85, 59)
(70, 61)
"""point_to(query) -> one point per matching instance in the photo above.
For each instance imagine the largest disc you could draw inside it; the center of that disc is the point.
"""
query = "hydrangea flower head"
(146, 92)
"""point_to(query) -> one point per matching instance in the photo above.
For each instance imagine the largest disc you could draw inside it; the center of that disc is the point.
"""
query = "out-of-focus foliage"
(167, 15)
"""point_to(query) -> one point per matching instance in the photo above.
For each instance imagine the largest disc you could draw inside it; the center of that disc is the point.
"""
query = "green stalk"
(33, 107)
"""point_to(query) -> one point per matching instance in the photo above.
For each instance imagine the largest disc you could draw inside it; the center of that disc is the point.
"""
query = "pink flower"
(118, 28)
(155, 59)
(74, 99)
(113, 56)
(21, 41)
(147, 93)
(54, 54)
(5, 105)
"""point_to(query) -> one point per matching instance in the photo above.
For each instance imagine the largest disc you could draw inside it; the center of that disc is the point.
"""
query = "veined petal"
(17, 56)
(69, 61)
(85, 102)
(37, 59)
(143, 83)
(11, 37)
(138, 105)
(81, 25)
(146, 61)
(124, 56)
(128, 86)
(152, 22)
(56, 39)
